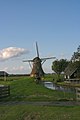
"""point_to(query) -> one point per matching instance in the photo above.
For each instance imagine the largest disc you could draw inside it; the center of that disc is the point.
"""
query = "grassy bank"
(68, 84)
(26, 89)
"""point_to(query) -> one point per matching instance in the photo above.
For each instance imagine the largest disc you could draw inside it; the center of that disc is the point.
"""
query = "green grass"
(26, 89)
(28, 112)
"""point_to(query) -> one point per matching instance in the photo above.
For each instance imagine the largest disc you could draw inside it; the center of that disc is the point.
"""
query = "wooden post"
(4, 76)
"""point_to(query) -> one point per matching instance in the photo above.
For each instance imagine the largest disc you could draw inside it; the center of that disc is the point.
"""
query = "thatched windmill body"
(37, 64)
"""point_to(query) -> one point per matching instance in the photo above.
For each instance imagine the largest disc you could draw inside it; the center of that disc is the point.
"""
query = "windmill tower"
(37, 64)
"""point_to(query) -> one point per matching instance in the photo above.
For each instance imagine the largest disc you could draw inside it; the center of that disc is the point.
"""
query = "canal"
(54, 86)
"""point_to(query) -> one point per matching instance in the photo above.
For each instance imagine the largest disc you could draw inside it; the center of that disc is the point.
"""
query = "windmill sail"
(48, 58)
(37, 49)
(27, 60)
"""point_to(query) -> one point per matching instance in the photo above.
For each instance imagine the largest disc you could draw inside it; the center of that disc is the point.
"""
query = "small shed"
(3, 73)
(72, 71)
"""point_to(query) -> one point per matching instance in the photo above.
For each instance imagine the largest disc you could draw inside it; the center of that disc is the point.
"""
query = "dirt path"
(58, 103)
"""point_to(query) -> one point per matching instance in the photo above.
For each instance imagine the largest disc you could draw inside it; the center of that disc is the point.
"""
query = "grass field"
(25, 89)
(28, 112)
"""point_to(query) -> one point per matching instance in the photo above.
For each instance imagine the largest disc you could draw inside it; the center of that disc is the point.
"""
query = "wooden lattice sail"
(37, 64)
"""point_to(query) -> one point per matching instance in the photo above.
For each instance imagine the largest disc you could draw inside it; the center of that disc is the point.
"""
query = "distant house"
(3, 73)
(72, 72)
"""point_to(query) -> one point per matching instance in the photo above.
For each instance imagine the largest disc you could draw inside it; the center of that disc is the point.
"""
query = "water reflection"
(53, 86)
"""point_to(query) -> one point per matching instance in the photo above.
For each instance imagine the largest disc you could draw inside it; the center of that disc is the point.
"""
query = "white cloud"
(11, 52)
(17, 69)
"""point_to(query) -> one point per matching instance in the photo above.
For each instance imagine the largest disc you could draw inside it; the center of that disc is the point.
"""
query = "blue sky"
(54, 24)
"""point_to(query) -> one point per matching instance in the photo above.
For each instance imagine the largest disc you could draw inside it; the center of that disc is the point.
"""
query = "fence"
(4, 91)
(78, 94)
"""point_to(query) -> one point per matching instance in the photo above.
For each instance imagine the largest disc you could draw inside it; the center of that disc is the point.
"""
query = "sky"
(54, 24)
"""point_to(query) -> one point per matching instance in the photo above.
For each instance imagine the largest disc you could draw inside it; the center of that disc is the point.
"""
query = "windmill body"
(37, 64)
(37, 67)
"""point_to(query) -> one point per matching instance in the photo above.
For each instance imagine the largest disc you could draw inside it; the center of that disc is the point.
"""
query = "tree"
(59, 66)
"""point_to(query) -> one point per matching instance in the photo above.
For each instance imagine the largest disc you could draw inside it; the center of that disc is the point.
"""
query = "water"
(53, 86)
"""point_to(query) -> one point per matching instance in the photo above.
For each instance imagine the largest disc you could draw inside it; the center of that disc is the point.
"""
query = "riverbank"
(68, 84)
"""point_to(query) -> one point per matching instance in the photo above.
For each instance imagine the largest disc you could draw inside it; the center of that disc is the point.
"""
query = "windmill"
(37, 64)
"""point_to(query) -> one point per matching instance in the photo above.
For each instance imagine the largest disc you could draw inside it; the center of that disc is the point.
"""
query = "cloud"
(11, 52)
(17, 69)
